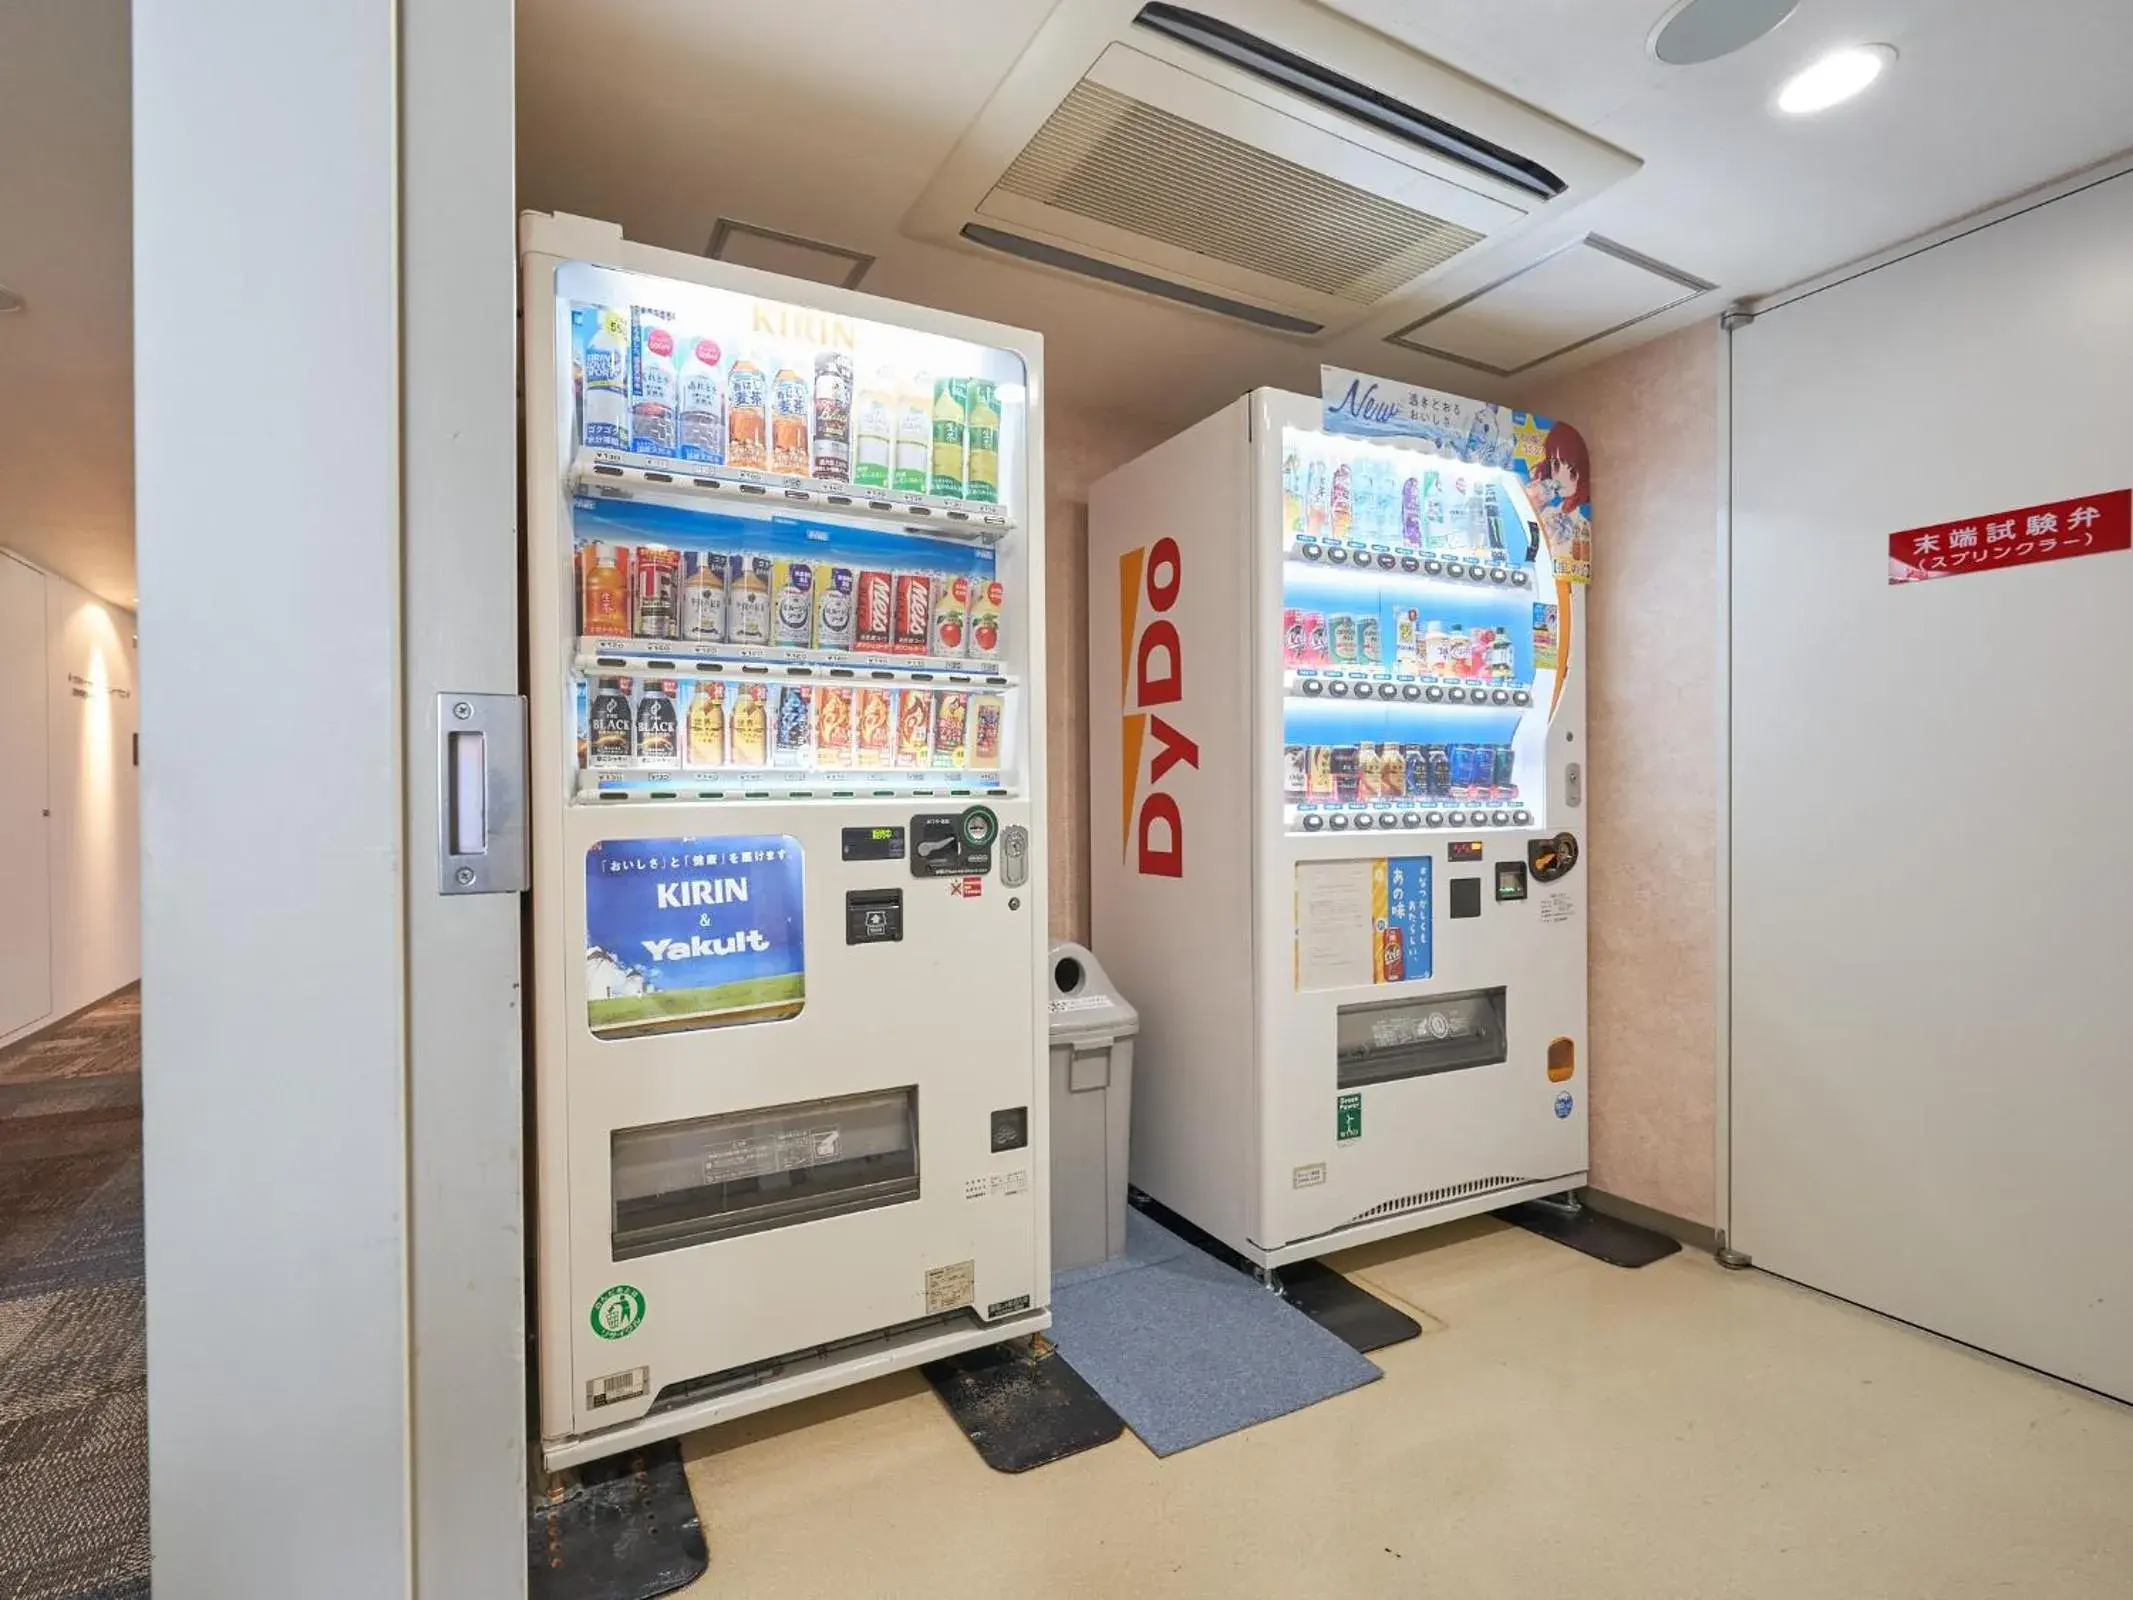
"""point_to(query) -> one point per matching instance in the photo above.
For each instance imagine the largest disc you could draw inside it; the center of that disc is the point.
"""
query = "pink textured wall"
(1650, 417)
(1079, 448)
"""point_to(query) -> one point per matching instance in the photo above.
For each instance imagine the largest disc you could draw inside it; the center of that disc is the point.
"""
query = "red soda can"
(914, 612)
(1292, 638)
(874, 615)
(1318, 648)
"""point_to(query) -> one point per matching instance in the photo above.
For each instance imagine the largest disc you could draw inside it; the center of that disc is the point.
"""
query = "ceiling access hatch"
(1573, 296)
(1280, 164)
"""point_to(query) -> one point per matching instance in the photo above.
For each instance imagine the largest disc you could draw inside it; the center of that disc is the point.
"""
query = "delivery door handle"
(481, 794)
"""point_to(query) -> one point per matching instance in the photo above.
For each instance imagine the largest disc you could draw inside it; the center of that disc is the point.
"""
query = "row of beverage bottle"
(1337, 774)
(712, 597)
(1442, 508)
(698, 724)
(1433, 649)
(646, 386)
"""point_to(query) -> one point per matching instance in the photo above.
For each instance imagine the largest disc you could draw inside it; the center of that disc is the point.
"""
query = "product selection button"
(1313, 823)
(1339, 821)
(1435, 819)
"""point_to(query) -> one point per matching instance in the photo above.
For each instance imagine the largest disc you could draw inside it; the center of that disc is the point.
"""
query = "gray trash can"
(1092, 1109)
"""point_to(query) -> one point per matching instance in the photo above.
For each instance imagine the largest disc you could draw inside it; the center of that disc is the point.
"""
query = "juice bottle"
(1437, 650)
(1369, 772)
(1411, 511)
(606, 596)
(951, 422)
(1318, 499)
(603, 403)
(874, 431)
(1483, 641)
(747, 414)
(652, 381)
(982, 477)
(1342, 498)
(951, 728)
(707, 724)
(913, 460)
(702, 402)
(703, 597)
(1460, 652)
(749, 726)
(1292, 494)
(833, 726)
(789, 403)
(1406, 646)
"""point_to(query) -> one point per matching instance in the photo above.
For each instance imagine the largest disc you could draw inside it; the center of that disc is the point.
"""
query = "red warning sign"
(2090, 526)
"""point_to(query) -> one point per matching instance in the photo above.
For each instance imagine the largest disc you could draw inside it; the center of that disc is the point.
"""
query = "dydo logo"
(1151, 673)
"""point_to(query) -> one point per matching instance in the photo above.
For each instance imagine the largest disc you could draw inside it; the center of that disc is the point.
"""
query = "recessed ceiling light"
(1834, 78)
(10, 301)
(1695, 31)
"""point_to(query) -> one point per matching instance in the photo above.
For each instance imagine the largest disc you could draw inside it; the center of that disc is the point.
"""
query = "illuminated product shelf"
(1332, 684)
(676, 658)
(637, 782)
(1391, 816)
(615, 475)
(1326, 555)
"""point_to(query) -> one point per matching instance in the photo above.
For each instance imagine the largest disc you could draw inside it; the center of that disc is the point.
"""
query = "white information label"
(1557, 907)
(950, 1286)
(1333, 933)
(1079, 1002)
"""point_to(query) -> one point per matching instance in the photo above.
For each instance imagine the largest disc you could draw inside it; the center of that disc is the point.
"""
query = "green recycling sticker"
(618, 1313)
(1348, 1118)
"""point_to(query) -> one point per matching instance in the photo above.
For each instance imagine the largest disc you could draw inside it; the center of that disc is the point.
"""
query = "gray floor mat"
(1187, 1349)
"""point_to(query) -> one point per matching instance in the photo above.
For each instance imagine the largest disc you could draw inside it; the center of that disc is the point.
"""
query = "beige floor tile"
(1565, 1429)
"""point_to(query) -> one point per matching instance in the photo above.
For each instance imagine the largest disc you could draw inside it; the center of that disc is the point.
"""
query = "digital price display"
(1464, 850)
(874, 844)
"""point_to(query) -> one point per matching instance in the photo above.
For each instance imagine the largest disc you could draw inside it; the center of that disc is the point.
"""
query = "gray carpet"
(1186, 1348)
(73, 1372)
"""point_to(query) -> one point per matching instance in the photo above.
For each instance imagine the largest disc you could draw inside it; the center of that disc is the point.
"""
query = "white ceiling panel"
(1583, 291)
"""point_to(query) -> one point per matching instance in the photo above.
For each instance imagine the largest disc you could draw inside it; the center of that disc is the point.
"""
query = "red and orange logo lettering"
(1151, 665)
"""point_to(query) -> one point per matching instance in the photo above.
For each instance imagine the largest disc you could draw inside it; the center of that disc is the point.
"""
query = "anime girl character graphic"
(1560, 492)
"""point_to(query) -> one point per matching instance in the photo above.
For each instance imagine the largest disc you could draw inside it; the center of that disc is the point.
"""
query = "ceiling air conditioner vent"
(1336, 93)
(1107, 157)
(1283, 163)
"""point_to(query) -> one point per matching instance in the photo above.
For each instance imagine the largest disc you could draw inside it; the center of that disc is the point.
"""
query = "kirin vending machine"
(1337, 765)
(784, 555)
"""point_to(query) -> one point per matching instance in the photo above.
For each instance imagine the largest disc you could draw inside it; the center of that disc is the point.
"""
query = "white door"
(25, 833)
(1932, 793)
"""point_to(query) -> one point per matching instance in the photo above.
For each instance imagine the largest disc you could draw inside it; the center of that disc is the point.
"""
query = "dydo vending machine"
(783, 553)
(1337, 752)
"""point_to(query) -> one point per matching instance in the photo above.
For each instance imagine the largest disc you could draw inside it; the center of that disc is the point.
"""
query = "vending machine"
(1337, 755)
(784, 555)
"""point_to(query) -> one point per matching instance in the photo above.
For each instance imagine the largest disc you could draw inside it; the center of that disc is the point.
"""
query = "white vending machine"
(784, 560)
(1337, 768)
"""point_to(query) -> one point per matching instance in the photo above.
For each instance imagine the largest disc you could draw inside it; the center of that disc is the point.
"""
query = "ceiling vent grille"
(1114, 160)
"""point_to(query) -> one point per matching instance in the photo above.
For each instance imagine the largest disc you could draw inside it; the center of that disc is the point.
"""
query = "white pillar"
(313, 186)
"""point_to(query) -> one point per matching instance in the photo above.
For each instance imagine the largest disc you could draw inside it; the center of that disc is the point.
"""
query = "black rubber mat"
(625, 1530)
(1604, 1238)
(1020, 1404)
(1351, 1313)
(1344, 1308)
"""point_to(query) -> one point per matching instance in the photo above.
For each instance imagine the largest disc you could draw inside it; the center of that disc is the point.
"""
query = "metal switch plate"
(1573, 785)
(481, 794)
(1014, 856)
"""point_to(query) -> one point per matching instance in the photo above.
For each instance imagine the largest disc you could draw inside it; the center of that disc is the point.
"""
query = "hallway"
(73, 1375)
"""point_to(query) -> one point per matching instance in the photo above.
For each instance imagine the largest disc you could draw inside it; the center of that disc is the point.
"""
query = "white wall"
(274, 1089)
(1931, 784)
(91, 711)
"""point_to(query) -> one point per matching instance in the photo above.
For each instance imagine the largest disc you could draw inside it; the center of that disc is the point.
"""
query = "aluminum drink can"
(914, 613)
(874, 611)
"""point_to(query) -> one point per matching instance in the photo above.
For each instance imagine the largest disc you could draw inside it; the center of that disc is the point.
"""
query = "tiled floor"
(1563, 1429)
(73, 1379)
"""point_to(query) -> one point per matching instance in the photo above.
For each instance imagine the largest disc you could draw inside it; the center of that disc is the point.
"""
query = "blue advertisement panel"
(693, 933)
(1400, 920)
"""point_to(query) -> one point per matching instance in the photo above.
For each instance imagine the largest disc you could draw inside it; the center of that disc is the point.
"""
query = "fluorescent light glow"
(1834, 78)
